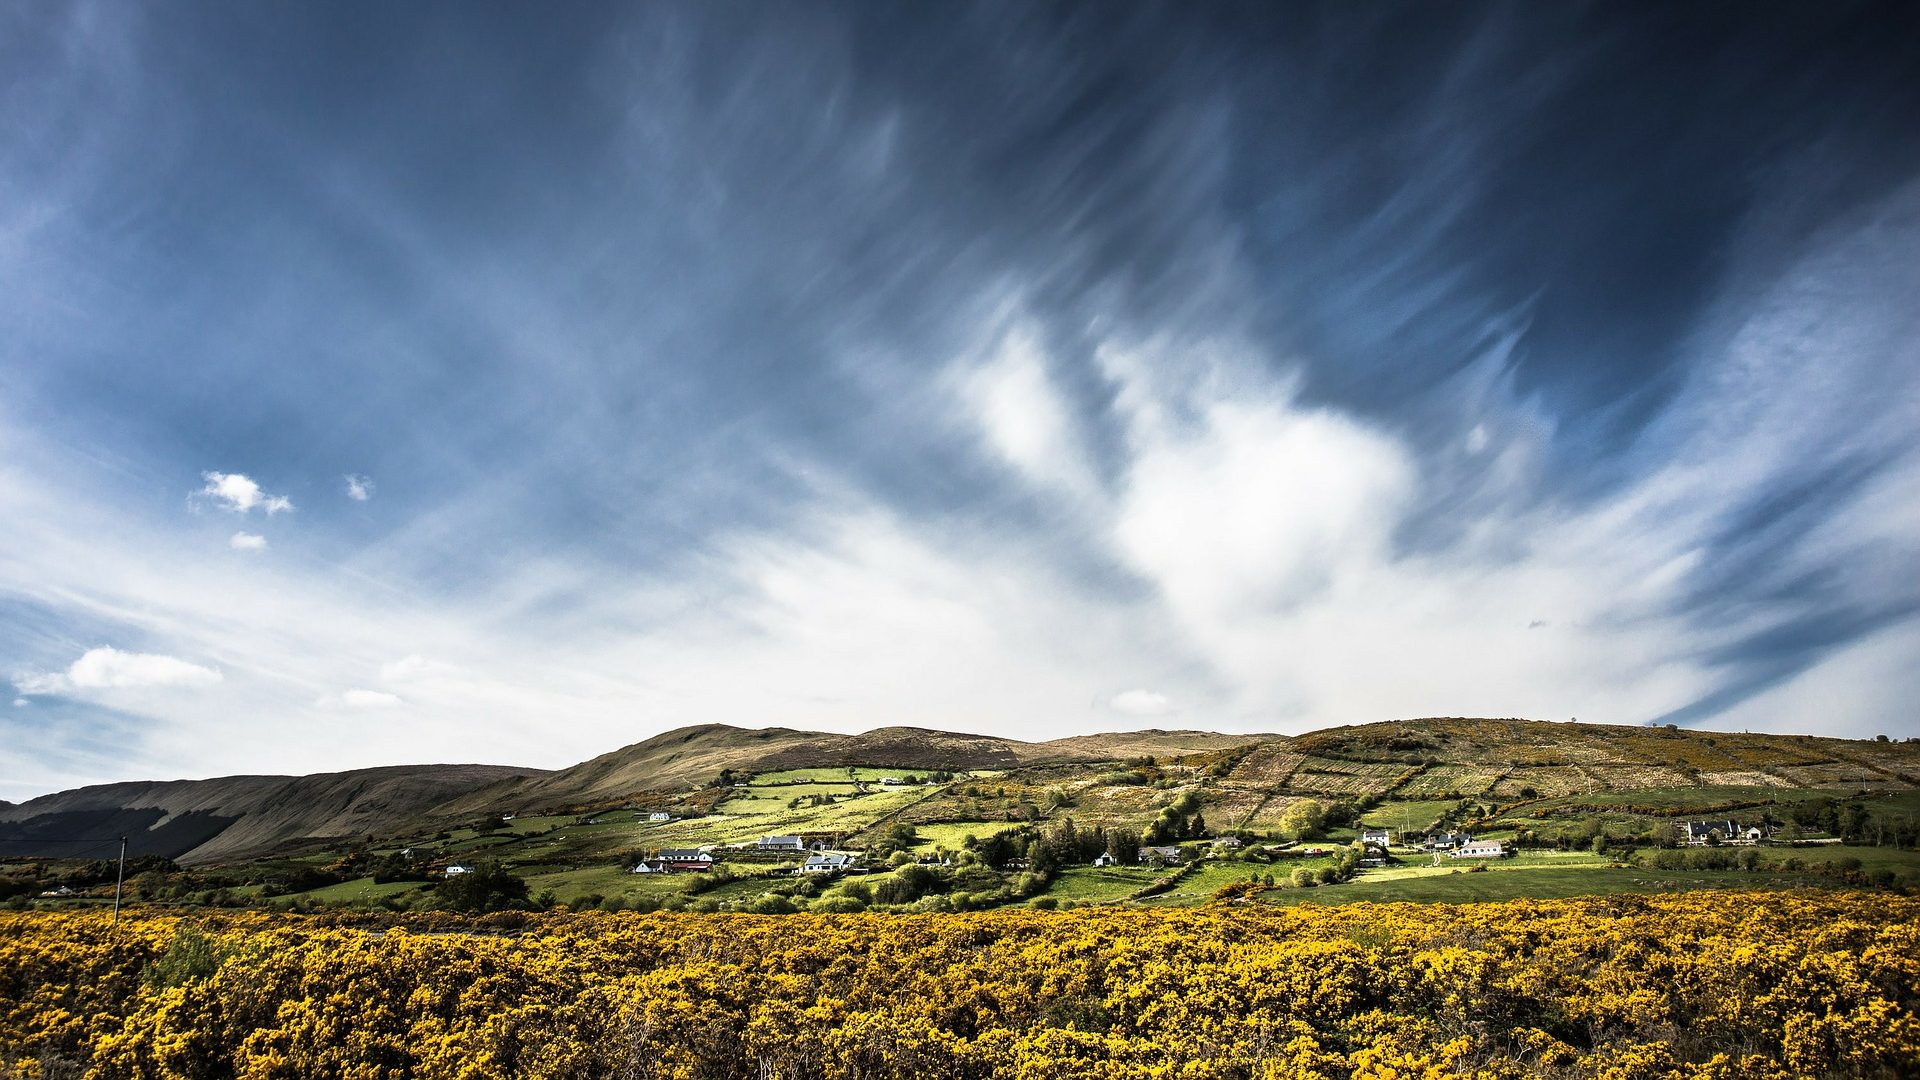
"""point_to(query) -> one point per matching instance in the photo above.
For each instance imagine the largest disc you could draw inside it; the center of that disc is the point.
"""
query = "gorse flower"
(1726, 985)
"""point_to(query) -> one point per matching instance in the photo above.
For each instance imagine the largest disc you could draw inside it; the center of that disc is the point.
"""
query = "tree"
(1303, 820)
(487, 887)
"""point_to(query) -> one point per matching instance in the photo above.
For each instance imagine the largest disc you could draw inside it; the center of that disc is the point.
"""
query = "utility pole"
(118, 879)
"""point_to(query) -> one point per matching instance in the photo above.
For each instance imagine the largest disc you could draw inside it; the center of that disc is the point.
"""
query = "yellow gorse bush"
(1732, 985)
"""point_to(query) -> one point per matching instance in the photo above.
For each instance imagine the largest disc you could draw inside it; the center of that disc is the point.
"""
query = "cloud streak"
(954, 369)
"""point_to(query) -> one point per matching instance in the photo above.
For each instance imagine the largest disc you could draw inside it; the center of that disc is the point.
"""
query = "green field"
(1399, 816)
(1540, 883)
(949, 834)
(1100, 884)
(841, 775)
(1199, 886)
(359, 891)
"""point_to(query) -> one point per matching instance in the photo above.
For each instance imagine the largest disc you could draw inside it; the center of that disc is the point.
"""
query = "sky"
(465, 382)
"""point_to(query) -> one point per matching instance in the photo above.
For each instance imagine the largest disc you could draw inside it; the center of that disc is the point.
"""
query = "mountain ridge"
(233, 817)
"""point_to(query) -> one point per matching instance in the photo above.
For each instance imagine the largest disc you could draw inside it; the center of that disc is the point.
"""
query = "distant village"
(820, 854)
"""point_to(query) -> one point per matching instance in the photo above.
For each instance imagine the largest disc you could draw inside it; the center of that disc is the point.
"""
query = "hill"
(1411, 774)
(693, 756)
(234, 816)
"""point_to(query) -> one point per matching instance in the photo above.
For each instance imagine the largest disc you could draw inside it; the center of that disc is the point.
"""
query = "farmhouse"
(1105, 858)
(782, 843)
(1170, 854)
(826, 862)
(650, 867)
(1481, 849)
(1698, 833)
(457, 869)
(686, 859)
(1447, 841)
(659, 815)
(1376, 837)
(1228, 843)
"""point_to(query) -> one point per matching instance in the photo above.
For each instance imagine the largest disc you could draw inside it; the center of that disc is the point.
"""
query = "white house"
(891, 781)
(659, 815)
(1447, 841)
(781, 843)
(1105, 858)
(826, 862)
(1170, 854)
(457, 869)
(1480, 849)
(686, 859)
(1698, 833)
(654, 867)
(1376, 837)
(1228, 843)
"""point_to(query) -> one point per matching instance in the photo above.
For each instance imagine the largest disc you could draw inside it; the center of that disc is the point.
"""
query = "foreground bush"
(1696, 985)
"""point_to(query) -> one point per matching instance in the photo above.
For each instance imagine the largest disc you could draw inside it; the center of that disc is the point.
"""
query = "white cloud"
(407, 667)
(359, 488)
(1141, 703)
(21, 703)
(246, 541)
(238, 493)
(1024, 416)
(362, 699)
(1258, 506)
(107, 668)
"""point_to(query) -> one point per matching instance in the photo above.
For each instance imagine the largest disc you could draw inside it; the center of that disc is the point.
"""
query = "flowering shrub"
(1732, 984)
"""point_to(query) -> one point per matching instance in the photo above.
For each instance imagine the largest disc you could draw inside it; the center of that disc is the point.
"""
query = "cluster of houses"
(697, 860)
(778, 845)
(1166, 854)
(1703, 833)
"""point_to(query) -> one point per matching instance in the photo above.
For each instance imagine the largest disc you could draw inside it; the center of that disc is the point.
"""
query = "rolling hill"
(692, 756)
(234, 816)
(1414, 767)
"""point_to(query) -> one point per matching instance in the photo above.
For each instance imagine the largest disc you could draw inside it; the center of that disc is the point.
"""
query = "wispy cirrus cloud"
(1033, 370)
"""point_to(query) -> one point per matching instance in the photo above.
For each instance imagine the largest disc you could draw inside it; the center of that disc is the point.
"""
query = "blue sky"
(386, 383)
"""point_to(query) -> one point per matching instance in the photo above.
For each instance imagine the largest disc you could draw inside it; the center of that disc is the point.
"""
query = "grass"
(1199, 886)
(1871, 858)
(1099, 884)
(1417, 814)
(949, 834)
(359, 890)
(860, 772)
(1538, 883)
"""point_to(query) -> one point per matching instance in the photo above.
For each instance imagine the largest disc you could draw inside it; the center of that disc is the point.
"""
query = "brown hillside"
(233, 816)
